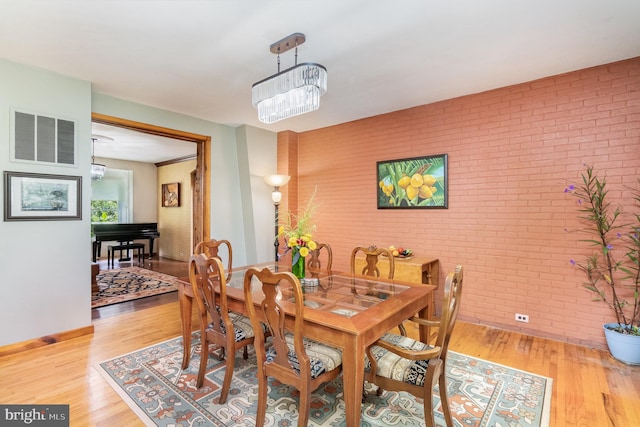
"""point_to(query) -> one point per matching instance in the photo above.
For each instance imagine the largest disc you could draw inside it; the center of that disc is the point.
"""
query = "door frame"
(201, 198)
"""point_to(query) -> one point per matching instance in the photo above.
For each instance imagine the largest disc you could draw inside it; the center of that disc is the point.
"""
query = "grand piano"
(124, 233)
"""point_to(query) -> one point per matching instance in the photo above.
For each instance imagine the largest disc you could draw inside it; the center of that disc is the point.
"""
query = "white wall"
(258, 149)
(45, 265)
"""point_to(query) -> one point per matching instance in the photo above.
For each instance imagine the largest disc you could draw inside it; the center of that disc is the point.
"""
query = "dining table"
(346, 311)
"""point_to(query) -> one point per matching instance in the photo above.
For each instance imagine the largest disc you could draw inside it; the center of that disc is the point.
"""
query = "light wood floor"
(589, 387)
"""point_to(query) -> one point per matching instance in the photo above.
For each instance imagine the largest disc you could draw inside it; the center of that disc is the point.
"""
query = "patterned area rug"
(126, 284)
(152, 383)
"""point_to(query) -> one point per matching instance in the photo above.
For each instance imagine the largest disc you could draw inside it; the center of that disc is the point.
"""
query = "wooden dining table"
(345, 311)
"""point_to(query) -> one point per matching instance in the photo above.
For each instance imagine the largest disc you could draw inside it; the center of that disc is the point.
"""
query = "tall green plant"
(616, 282)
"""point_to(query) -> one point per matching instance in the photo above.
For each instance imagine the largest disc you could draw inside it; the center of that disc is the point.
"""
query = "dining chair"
(372, 256)
(399, 363)
(313, 259)
(216, 248)
(229, 331)
(291, 358)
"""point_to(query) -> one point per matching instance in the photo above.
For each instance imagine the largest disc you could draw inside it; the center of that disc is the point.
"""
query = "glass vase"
(297, 264)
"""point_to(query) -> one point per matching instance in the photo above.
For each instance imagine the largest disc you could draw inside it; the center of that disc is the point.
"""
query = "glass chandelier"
(97, 169)
(294, 91)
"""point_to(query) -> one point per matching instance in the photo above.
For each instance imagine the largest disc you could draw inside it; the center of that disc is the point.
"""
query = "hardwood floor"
(589, 387)
(162, 265)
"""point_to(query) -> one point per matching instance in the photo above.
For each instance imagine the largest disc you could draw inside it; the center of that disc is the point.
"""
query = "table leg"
(353, 381)
(426, 313)
(186, 303)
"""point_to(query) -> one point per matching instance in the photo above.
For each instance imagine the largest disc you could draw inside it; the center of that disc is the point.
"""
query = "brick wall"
(512, 151)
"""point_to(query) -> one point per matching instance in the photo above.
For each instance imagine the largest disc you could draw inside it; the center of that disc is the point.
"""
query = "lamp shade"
(294, 91)
(97, 171)
(277, 180)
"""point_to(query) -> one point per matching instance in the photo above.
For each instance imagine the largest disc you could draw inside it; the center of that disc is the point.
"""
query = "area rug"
(130, 283)
(150, 380)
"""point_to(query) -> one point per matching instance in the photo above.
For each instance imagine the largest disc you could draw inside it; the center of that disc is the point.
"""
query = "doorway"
(201, 175)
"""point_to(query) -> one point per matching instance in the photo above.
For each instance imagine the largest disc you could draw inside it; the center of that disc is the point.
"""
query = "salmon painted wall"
(512, 151)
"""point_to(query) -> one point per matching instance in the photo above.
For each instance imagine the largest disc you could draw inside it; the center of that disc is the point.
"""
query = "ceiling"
(200, 58)
(124, 144)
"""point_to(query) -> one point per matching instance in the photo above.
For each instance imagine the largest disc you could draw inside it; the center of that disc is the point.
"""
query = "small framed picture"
(413, 183)
(171, 195)
(42, 197)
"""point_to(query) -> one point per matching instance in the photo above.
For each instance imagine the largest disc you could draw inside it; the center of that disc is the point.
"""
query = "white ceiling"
(124, 144)
(200, 58)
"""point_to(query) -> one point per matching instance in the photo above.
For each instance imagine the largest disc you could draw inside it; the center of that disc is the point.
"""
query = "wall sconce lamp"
(276, 181)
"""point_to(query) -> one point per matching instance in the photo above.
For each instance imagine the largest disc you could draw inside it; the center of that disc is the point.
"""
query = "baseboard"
(45, 340)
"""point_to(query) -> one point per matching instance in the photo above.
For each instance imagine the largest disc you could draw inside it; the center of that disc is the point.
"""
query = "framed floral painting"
(413, 183)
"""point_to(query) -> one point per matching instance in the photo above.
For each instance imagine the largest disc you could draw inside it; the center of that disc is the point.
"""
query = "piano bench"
(111, 250)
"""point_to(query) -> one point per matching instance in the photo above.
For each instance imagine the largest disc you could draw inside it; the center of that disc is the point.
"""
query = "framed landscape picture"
(413, 183)
(41, 197)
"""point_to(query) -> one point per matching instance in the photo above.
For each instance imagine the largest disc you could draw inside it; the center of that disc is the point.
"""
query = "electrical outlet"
(522, 318)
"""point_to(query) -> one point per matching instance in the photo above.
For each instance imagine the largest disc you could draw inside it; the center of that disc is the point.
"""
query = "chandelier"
(294, 91)
(97, 169)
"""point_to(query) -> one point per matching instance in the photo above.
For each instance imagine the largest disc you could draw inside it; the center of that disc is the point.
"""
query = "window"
(104, 211)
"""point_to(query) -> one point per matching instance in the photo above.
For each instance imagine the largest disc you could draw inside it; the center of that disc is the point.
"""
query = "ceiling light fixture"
(294, 91)
(97, 169)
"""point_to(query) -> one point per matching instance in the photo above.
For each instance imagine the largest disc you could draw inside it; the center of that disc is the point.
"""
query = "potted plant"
(612, 271)
(299, 237)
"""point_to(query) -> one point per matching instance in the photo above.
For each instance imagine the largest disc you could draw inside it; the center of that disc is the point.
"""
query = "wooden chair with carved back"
(229, 331)
(401, 363)
(291, 358)
(219, 249)
(372, 256)
(314, 258)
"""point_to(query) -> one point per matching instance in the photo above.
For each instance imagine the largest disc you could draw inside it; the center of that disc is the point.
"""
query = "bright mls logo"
(34, 415)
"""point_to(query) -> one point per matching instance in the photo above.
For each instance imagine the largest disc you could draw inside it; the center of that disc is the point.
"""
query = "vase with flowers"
(298, 234)
(612, 271)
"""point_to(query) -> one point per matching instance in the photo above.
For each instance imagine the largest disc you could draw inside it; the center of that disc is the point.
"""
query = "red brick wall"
(512, 151)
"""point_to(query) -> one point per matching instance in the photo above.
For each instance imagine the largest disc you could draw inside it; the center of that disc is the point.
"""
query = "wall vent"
(43, 139)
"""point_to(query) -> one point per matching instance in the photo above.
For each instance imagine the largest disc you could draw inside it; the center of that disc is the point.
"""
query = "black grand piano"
(124, 233)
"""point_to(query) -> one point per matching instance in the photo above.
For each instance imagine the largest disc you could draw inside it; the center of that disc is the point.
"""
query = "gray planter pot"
(625, 348)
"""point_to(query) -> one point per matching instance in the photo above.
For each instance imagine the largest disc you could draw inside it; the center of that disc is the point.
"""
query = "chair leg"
(262, 399)
(403, 330)
(204, 358)
(444, 397)
(433, 372)
(223, 353)
(228, 375)
(304, 406)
